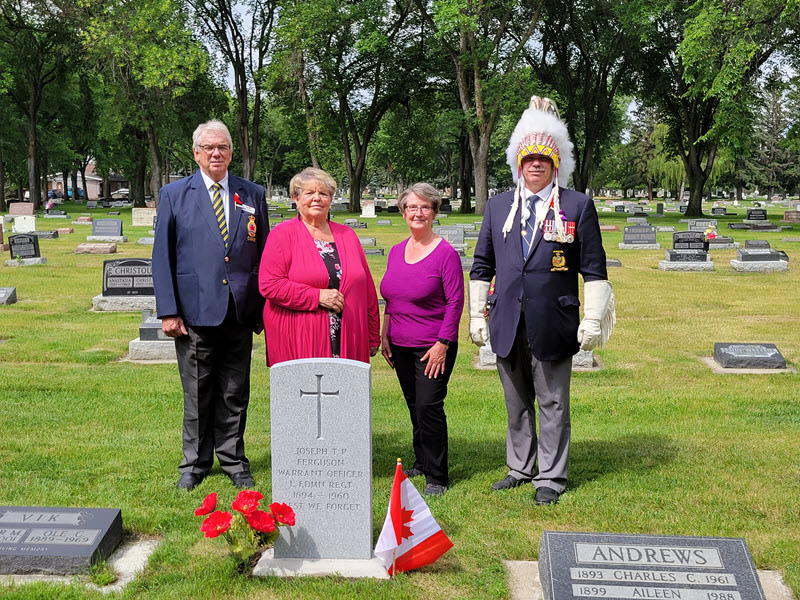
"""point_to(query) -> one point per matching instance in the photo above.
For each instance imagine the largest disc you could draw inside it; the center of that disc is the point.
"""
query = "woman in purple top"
(424, 292)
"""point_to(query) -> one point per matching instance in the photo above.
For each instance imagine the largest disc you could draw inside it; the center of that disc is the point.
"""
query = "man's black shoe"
(412, 472)
(509, 482)
(189, 481)
(242, 479)
(546, 495)
(435, 489)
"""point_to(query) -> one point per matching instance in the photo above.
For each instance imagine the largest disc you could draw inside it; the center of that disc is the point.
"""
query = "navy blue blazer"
(193, 274)
(548, 297)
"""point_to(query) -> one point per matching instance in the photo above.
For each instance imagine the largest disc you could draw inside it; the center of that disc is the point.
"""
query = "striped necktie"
(219, 212)
(529, 231)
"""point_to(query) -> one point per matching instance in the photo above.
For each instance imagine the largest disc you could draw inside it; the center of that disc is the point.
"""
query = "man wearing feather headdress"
(534, 241)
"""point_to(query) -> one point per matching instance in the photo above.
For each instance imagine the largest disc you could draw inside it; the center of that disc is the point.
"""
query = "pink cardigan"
(290, 277)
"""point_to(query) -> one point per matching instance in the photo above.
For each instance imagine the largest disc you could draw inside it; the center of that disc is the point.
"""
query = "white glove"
(599, 315)
(478, 328)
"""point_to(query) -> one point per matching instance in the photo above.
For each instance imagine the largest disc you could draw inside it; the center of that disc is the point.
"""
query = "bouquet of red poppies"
(248, 529)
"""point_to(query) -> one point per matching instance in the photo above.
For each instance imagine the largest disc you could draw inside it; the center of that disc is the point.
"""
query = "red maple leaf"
(406, 518)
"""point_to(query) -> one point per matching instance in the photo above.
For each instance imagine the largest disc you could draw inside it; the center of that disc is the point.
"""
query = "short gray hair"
(311, 175)
(425, 191)
(209, 126)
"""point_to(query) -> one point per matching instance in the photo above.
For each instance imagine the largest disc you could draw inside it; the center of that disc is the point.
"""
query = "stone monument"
(127, 286)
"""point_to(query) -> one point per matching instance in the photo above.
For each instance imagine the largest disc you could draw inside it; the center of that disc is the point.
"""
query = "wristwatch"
(444, 341)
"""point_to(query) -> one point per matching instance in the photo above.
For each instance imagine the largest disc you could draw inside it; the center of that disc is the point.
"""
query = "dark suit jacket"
(193, 274)
(549, 298)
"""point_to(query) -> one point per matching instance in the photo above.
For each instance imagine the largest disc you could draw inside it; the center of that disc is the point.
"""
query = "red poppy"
(236, 199)
(261, 521)
(209, 504)
(216, 523)
(247, 501)
(283, 513)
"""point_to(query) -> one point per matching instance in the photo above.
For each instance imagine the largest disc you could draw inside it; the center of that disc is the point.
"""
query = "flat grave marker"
(602, 565)
(56, 541)
(748, 356)
(8, 295)
(96, 248)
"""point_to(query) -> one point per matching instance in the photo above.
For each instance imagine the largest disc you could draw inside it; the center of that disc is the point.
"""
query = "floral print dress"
(327, 250)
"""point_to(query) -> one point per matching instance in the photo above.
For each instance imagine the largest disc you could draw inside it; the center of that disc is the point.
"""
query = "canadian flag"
(411, 538)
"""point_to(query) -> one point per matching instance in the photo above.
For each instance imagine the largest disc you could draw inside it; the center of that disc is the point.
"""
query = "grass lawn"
(661, 445)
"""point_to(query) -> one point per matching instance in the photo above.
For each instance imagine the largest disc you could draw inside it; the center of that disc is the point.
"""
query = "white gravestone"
(24, 224)
(321, 423)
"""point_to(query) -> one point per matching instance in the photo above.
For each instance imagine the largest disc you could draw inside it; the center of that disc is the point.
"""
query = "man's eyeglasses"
(209, 149)
(421, 209)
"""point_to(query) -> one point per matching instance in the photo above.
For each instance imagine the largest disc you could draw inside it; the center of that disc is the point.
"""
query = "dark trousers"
(425, 399)
(214, 364)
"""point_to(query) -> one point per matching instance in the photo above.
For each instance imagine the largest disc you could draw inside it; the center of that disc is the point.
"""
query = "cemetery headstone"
(467, 262)
(791, 216)
(96, 248)
(393, 209)
(738, 226)
(107, 230)
(756, 214)
(639, 237)
(719, 210)
(748, 356)
(756, 244)
(613, 262)
(454, 236)
(386, 222)
(113, 212)
(55, 540)
(8, 295)
(446, 208)
(609, 227)
(638, 220)
(365, 242)
(368, 209)
(24, 224)
(682, 208)
(689, 253)
(24, 250)
(374, 251)
(142, 217)
(702, 224)
(759, 260)
(152, 343)
(46, 235)
(275, 215)
(91, 204)
(601, 565)
(128, 277)
(620, 208)
(3, 245)
(321, 423)
(660, 209)
(19, 209)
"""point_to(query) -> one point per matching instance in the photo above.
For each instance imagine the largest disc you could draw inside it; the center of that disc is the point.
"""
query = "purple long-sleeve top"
(424, 300)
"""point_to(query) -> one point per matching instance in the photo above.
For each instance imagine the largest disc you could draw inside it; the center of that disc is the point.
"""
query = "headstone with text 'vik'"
(56, 541)
(600, 565)
(321, 424)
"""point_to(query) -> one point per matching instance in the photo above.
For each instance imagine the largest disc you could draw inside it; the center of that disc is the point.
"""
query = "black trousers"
(214, 364)
(425, 399)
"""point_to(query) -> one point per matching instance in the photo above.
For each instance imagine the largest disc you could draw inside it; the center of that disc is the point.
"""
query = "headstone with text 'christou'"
(56, 541)
(321, 424)
(600, 565)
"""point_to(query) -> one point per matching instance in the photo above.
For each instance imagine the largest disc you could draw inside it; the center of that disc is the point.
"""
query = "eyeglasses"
(421, 209)
(209, 149)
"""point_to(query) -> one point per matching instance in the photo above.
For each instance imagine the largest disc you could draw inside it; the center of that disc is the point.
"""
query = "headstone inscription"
(748, 356)
(150, 328)
(757, 254)
(142, 217)
(8, 295)
(639, 237)
(128, 277)
(321, 420)
(702, 224)
(689, 253)
(756, 214)
(56, 541)
(719, 210)
(689, 240)
(24, 245)
(601, 565)
(454, 236)
(620, 208)
(107, 227)
(18, 209)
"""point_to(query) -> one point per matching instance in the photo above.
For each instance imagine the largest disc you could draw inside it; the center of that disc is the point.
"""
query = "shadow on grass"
(593, 459)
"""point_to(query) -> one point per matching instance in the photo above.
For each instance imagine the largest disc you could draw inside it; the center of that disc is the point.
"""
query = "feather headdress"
(540, 131)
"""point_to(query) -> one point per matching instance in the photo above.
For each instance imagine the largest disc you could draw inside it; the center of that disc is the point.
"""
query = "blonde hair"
(311, 175)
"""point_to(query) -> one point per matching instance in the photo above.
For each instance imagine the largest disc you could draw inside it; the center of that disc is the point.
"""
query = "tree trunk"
(155, 166)
(739, 194)
(3, 207)
(650, 191)
(34, 184)
(83, 182)
(139, 171)
(310, 128)
(74, 175)
(465, 173)
(480, 168)
(65, 180)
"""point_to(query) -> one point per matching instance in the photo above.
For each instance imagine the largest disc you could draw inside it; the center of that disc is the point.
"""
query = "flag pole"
(394, 551)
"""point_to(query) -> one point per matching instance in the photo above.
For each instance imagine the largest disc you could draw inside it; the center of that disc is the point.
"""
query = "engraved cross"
(319, 394)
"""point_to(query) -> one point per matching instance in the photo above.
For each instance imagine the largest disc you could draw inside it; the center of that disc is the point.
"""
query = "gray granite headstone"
(738, 226)
(601, 565)
(128, 277)
(702, 224)
(367, 242)
(687, 256)
(638, 220)
(91, 204)
(383, 222)
(639, 234)
(613, 262)
(8, 295)
(689, 240)
(46, 235)
(748, 356)
(756, 214)
(719, 210)
(150, 328)
(454, 235)
(757, 254)
(374, 252)
(56, 541)
(756, 244)
(107, 227)
(321, 423)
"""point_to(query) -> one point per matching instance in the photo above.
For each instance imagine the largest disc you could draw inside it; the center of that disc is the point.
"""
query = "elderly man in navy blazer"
(534, 241)
(209, 236)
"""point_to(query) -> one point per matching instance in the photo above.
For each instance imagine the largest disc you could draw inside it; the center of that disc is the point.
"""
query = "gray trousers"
(525, 379)
(214, 363)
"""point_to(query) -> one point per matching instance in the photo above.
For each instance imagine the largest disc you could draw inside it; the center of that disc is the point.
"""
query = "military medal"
(251, 229)
(559, 261)
(550, 232)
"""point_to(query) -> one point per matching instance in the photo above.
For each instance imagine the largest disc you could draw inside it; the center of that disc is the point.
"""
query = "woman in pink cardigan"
(321, 300)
